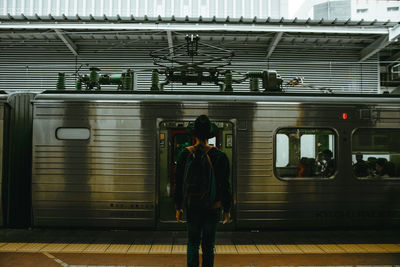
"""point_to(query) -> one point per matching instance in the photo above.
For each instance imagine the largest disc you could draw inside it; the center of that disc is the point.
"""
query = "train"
(107, 159)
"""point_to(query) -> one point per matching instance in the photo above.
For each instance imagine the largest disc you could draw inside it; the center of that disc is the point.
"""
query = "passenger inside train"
(306, 153)
(374, 168)
(361, 167)
(328, 167)
(306, 167)
(381, 148)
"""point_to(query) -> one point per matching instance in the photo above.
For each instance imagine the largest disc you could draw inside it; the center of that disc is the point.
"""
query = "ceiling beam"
(274, 43)
(394, 58)
(394, 33)
(199, 27)
(67, 41)
(380, 43)
(374, 48)
(170, 43)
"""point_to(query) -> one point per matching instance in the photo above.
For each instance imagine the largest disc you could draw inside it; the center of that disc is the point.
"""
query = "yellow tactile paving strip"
(352, 248)
(54, 247)
(75, 248)
(139, 249)
(225, 249)
(268, 249)
(160, 249)
(247, 249)
(12, 246)
(372, 248)
(390, 247)
(310, 249)
(32, 247)
(328, 248)
(116, 248)
(96, 248)
(289, 249)
(181, 249)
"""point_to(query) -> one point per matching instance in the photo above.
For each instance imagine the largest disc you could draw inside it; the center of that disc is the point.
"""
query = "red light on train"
(344, 116)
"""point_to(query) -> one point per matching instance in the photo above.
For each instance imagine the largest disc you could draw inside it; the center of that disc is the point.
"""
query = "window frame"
(392, 9)
(362, 10)
(65, 139)
(382, 179)
(335, 151)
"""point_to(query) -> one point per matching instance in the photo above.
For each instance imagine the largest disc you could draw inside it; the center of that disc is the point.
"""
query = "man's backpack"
(199, 179)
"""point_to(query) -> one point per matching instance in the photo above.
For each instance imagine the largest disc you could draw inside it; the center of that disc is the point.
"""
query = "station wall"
(34, 64)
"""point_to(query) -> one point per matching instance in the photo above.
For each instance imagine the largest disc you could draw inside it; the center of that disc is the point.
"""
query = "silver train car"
(3, 127)
(108, 160)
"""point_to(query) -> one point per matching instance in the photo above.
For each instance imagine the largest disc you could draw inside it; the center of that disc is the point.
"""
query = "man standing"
(360, 168)
(329, 167)
(202, 188)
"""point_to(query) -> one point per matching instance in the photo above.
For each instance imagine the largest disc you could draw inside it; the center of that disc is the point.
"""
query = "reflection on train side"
(376, 153)
(172, 140)
(305, 152)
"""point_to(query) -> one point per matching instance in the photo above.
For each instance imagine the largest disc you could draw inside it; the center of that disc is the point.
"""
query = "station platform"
(55, 247)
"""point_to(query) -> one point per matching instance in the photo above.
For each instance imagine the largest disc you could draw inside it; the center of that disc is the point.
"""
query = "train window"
(73, 133)
(282, 145)
(376, 153)
(212, 141)
(305, 152)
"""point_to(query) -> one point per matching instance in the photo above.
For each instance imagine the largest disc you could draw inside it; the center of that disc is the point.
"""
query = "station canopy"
(367, 41)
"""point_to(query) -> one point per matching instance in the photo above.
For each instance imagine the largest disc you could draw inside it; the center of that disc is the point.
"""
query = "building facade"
(151, 8)
(368, 10)
(333, 10)
(375, 9)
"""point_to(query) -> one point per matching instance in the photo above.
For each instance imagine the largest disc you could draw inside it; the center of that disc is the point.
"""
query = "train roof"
(126, 96)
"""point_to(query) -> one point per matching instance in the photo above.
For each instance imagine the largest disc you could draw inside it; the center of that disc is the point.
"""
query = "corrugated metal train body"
(111, 179)
(91, 182)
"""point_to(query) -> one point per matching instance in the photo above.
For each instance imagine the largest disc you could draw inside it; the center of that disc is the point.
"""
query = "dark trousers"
(202, 226)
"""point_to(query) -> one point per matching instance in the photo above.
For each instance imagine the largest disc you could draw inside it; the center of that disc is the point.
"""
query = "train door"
(173, 138)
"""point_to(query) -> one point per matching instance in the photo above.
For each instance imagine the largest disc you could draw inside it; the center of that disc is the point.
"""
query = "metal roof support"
(374, 48)
(394, 33)
(68, 42)
(170, 43)
(199, 27)
(274, 43)
(380, 43)
(394, 57)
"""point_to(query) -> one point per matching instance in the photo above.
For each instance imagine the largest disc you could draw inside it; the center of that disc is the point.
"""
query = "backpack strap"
(192, 149)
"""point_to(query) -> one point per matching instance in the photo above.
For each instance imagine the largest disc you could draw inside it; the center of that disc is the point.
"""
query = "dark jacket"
(221, 168)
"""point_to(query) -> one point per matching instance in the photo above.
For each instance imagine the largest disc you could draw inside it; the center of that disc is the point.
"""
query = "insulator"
(127, 82)
(61, 81)
(78, 85)
(154, 81)
(254, 85)
(228, 81)
(94, 75)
